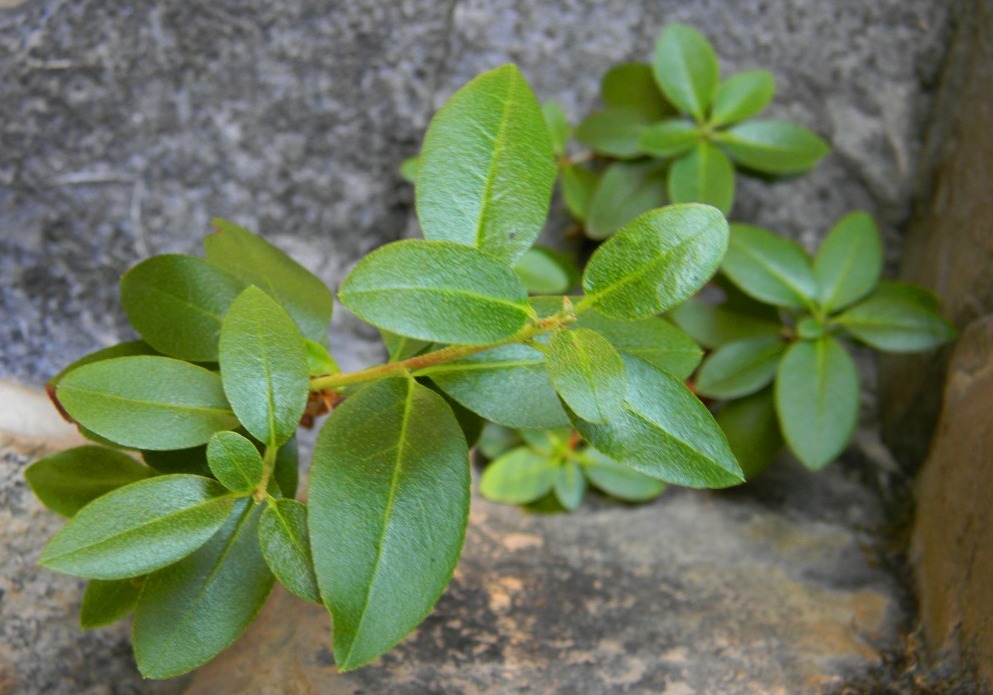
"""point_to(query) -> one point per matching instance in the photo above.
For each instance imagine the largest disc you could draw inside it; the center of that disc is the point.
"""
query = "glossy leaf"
(190, 612)
(705, 175)
(139, 528)
(235, 462)
(487, 169)
(655, 262)
(632, 85)
(147, 402)
(686, 68)
(518, 477)
(264, 367)
(742, 96)
(669, 138)
(624, 192)
(848, 265)
(740, 368)
(817, 400)
(587, 373)
(619, 481)
(752, 430)
(255, 261)
(898, 318)
(559, 129)
(388, 508)
(570, 485)
(69, 480)
(614, 131)
(714, 326)
(773, 146)
(437, 291)
(664, 431)
(176, 303)
(285, 545)
(769, 268)
(545, 271)
(578, 186)
(106, 602)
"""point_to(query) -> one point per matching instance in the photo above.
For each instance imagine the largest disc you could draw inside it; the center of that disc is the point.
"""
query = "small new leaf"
(587, 372)
(518, 477)
(619, 481)
(773, 146)
(686, 68)
(570, 485)
(705, 175)
(285, 546)
(235, 462)
(742, 96)
(849, 262)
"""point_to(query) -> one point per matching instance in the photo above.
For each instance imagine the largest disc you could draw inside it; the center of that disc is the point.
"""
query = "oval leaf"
(285, 546)
(486, 169)
(615, 132)
(898, 317)
(235, 462)
(740, 368)
(623, 192)
(570, 485)
(437, 291)
(106, 602)
(139, 528)
(670, 138)
(686, 68)
(389, 504)
(713, 326)
(817, 399)
(655, 262)
(619, 481)
(518, 477)
(849, 262)
(578, 186)
(587, 373)
(632, 85)
(653, 340)
(742, 96)
(752, 430)
(264, 367)
(545, 271)
(774, 146)
(769, 268)
(147, 402)
(705, 175)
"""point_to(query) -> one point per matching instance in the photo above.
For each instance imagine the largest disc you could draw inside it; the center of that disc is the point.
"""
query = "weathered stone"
(951, 549)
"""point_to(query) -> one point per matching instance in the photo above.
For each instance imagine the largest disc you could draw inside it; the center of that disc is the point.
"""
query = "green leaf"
(287, 470)
(176, 303)
(319, 360)
(131, 348)
(849, 262)
(619, 481)
(587, 373)
(740, 368)
(578, 186)
(487, 169)
(147, 402)
(614, 131)
(68, 481)
(773, 146)
(817, 400)
(469, 422)
(752, 430)
(655, 262)
(559, 129)
(408, 169)
(389, 504)
(686, 68)
(496, 440)
(546, 271)
(624, 192)
(264, 367)
(235, 462)
(285, 546)
(255, 261)
(570, 485)
(669, 138)
(192, 461)
(664, 431)
(518, 477)
(898, 317)
(632, 85)
(437, 291)
(653, 340)
(190, 612)
(742, 96)
(400, 347)
(507, 385)
(769, 268)
(139, 528)
(705, 175)
(714, 326)
(106, 602)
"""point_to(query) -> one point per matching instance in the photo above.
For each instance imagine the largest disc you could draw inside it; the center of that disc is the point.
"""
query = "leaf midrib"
(499, 144)
(152, 404)
(666, 255)
(517, 306)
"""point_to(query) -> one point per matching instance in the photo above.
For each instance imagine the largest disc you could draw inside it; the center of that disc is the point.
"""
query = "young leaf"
(578, 186)
(68, 481)
(752, 430)
(518, 477)
(559, 129)
(686, 68)
(587, 373)
(742, 96)
(817, 400)
(849, 262)
(390, 466)
(655, 262)
(264, 367)
(235, 462)
(632, 85)
(507, 385)
(624, 192)
(192, 461)
(773, 146)
(408, 169)
(106, 602)
(614, 131)
(669, 138)
(487, 170)
(714, 326)
(740, 368)
(319, 360)
(619, 481)
(653, 340)
(255, 261)
(190, 612)
(147, 402)
(769, 268)
(705, 175)
(139, 528)
(176, 303)
(545, 271)
(898, 318)
(664, 431)
(570, 485)
(400, 347)
(285, 546)
(437, 291)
